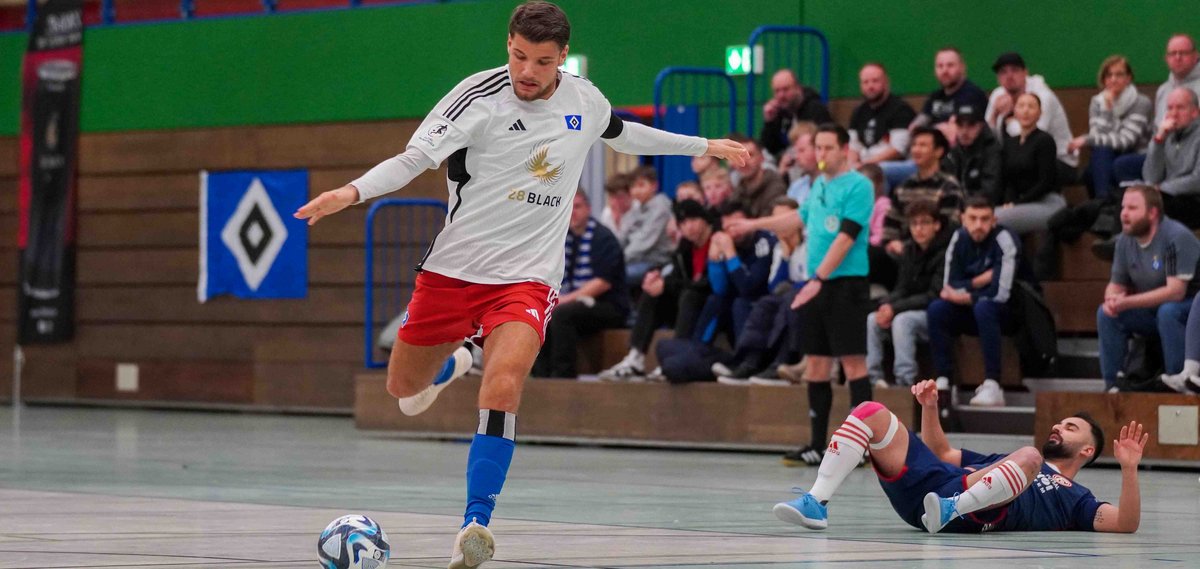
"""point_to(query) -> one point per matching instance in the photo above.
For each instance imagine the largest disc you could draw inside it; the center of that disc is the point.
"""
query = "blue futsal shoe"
(803, 511)
(938, 512)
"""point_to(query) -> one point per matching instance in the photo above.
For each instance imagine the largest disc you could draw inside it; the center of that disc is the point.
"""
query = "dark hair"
(875, 173)
(730, 207)
(939, 139)
(617, 183)
(1152, 196)
(538, 22)
(922, 207)
(1031, 94)
(785, 201)
(978, 201)
(647, 173)
(843, 137)
(1097, 433)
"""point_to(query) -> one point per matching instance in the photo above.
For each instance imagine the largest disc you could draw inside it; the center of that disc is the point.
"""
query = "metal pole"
(30, 15)
(108, 12)
(18, 365)
(269, 6)
(187, 9)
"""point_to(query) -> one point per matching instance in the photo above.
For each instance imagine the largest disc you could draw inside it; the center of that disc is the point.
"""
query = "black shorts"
(835, 321)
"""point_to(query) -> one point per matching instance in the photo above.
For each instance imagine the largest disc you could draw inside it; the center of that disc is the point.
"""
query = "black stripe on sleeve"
(615, 127)
(479, 87)
(467, 103)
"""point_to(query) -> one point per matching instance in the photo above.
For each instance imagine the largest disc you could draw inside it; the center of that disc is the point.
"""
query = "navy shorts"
(923, 473)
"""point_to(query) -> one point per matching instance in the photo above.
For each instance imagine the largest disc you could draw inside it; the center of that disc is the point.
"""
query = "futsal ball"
(353, 542)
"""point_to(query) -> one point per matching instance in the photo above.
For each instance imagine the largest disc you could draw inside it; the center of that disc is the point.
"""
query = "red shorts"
(445, 309)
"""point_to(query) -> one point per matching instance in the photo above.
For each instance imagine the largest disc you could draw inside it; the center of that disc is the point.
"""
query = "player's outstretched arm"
(638, 139)
(1125, 517)
(931, 426)
(328, 203)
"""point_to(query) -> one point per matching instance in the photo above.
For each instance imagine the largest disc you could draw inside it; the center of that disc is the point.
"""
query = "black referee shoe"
(804, 456)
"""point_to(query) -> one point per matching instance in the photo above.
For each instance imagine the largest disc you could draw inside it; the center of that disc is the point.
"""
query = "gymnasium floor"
(86, 487)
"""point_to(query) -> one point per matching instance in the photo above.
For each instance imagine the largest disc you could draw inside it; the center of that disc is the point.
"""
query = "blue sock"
(487, 464)
(447, 369)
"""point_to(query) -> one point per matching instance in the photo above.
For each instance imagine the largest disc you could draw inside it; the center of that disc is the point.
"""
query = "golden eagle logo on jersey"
(539, 165)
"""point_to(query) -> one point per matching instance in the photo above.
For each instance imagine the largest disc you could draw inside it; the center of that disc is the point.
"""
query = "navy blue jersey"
(1052, 502)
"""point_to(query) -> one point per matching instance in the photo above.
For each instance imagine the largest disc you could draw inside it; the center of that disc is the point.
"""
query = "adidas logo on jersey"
(517, 125)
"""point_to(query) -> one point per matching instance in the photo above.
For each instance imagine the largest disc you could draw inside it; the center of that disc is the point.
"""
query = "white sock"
(846, 448)
(996, 487)
(1191, 368)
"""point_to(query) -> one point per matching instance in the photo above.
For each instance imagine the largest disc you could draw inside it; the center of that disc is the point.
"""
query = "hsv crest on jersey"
(540, 167)
(574, 122)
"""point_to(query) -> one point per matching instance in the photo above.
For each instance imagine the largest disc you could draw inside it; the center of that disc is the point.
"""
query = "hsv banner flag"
(48, 170)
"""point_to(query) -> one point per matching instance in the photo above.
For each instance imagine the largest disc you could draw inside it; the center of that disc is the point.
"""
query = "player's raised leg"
(417, 374)
(987, 488)
(870, 426)
(508, 356)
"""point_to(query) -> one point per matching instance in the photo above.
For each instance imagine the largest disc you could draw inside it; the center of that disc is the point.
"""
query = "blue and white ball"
(353, 542)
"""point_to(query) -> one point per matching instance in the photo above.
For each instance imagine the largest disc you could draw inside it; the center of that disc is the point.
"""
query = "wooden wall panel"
(694, 413)
(305, 385)
(1112, 411)
(193, 381)
(133, 304)
(220, 342)
(327, 265)
(8, 156)
(8, 194)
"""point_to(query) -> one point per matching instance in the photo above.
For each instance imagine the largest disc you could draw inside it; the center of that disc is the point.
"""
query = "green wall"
(390, 62)
(1064, 40)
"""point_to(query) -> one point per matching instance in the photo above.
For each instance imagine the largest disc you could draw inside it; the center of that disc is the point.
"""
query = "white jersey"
(512, 169)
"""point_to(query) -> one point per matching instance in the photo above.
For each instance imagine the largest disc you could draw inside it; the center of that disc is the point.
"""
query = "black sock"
(860, 391)
(820, 400)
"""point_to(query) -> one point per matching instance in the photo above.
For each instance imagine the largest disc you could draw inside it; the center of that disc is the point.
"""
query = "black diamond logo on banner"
(254, 234)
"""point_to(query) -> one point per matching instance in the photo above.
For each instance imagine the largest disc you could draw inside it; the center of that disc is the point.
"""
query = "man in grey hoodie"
(1173, 160)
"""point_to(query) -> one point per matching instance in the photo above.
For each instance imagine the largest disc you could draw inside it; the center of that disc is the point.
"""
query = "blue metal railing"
(409, 241)
(787, 51)
(690, 100)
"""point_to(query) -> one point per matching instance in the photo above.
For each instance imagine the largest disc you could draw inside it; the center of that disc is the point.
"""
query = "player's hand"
(1129, 446)
(926, 393)
(328, 203)
(807, 292)
(728, 150)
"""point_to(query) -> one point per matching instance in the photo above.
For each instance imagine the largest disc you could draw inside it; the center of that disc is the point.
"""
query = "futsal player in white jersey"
(514, 140)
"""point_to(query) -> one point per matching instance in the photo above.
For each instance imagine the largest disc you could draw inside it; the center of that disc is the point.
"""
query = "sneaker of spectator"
(988, 394)
(804, 456)
(632, 366)
(769, 376)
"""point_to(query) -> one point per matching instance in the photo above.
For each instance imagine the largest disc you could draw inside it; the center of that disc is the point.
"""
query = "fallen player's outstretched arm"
(931, 426)
(1125, 517)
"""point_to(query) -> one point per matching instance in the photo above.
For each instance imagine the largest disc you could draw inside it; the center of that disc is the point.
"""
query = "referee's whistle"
(821, 165)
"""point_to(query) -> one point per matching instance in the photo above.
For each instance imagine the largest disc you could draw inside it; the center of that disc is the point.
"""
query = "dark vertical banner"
(49, 170)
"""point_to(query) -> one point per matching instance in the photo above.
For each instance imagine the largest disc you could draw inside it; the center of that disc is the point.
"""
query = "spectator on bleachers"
(672, 293)
(1173, 159)
(717, 186)
(1032, 193)
(1181, 58)
(618, 201)
(702, 164)
(757, 187)
(806, 162)
(956, 91)
(790, 102)
(929, 145)
(883, 269)
(686, 190)
(764, 336)
(1014, 80)
(1188, 379)
(739, 264)
(689, 190)
(593, 296)
(922, 266)
(789, 167)
(879, 126)
(975, 160)
(643, 229)
(983, 263)
(1152, 285)
(1118, 123)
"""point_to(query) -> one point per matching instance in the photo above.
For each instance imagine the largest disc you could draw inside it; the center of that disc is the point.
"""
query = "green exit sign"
(741, 60)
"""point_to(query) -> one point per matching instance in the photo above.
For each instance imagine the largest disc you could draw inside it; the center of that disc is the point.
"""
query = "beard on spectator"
(1138, 228)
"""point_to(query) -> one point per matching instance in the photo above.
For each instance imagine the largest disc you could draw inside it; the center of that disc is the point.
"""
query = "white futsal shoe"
(474, 545)
(418, 403)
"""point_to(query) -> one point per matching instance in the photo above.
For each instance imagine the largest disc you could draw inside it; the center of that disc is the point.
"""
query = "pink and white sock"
(996, 487)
